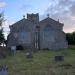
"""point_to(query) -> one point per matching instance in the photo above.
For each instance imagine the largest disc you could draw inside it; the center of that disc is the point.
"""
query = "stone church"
(31, 33)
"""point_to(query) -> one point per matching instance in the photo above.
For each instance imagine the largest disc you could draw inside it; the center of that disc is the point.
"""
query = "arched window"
(47, 28)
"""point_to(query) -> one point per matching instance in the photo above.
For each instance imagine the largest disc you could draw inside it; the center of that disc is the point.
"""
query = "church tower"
(36, 32)
(33, 18)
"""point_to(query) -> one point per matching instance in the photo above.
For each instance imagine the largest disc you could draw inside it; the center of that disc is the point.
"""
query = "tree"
(70, 38)
(1, 29)
(1, 36)
(1, 19)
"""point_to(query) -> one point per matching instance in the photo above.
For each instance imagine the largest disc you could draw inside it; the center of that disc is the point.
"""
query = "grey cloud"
(65, 2)
(63, 10)
(60, 7)
(72, 9)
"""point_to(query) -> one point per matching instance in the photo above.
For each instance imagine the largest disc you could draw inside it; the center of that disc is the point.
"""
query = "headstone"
(2, 52)
(2, 55)
(13, 50)
(3, 70)
(59, 58)
(29, 54)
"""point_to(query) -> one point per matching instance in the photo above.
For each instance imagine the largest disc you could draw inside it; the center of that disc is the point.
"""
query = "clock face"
(15, 35)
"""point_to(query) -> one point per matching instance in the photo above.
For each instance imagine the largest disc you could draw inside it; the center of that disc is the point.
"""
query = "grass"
(42, 63)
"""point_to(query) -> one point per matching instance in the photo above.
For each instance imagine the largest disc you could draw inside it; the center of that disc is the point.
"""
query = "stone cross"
(48, 15)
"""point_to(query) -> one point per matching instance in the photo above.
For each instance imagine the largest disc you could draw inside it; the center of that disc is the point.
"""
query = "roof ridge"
(51, 19)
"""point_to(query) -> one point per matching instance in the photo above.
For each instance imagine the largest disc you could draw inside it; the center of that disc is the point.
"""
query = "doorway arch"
(19, 47)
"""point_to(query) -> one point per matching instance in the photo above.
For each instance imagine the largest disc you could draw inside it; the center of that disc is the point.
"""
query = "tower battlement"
(33, 17)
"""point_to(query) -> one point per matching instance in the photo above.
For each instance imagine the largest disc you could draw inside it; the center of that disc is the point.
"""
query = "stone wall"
(24, 32)
(52, 40)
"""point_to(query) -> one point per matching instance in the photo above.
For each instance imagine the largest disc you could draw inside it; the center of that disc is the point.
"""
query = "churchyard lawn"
(42, 63)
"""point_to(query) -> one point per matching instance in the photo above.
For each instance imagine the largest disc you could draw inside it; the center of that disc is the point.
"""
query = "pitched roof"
(22, 21)
(50, 19)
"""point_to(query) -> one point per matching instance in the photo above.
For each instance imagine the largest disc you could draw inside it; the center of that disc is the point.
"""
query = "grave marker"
(59, 58)
(13, 50)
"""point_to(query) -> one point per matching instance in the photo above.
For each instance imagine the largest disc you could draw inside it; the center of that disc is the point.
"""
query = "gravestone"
(2, 52)
(29, 54)
(3, 70)
(2, 55)
(59, 58)
(13, 50)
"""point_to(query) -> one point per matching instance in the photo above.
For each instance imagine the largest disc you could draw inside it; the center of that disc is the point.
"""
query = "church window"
(24, 37)
(47, 28)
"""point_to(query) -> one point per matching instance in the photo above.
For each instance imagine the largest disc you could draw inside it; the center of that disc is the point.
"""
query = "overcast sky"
(64, 10)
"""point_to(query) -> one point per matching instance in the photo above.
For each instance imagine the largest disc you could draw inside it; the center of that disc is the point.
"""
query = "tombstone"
(59, 58)
(29, 54)
(2, 55)
(3, 70)
(2, 52)
(13, 50)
